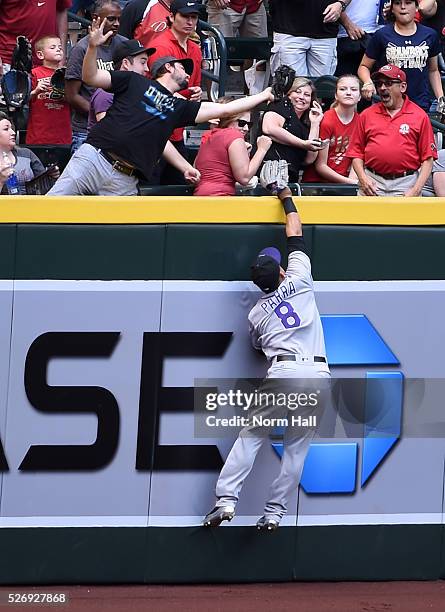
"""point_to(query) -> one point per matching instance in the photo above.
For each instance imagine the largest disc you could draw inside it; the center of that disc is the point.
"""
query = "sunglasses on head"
(243, 123)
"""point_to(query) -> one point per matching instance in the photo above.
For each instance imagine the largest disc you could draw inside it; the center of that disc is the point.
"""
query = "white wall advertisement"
(96, 403)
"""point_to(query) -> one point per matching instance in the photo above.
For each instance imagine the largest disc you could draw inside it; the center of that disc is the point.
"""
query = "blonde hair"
(344, 76)
(301, 82)
(225, 121)
(40, 44)
(304, 82)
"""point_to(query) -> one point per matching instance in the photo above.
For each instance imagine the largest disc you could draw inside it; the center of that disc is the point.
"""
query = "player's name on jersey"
(284, 292)
(262, 421)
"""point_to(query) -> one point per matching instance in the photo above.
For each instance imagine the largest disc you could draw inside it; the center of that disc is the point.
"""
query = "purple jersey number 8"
(287, 315)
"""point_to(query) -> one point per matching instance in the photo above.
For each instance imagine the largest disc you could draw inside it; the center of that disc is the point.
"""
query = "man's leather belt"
(317, 358)
(118, 165)
(392, 177)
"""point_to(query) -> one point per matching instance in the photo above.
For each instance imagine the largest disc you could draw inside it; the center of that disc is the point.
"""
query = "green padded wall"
(215, 252)
(89, 252)
(125, 555)
(7, 250)
(378, 253)
(222, 252)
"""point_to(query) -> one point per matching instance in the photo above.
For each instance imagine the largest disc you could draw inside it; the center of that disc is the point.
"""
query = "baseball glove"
(274, 175)
(22, 55)
(58, 81)
(282, 81)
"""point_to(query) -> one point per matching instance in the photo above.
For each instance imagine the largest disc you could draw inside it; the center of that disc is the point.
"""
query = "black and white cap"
(185, 7)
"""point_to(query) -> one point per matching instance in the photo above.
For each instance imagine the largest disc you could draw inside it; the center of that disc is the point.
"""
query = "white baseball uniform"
(283, 323)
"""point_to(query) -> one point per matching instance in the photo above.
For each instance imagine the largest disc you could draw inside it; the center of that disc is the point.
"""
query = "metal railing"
(215, 47)
(83, 22)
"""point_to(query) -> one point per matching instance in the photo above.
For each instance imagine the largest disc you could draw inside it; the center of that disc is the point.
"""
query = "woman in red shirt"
(223, 158)
(337, 125)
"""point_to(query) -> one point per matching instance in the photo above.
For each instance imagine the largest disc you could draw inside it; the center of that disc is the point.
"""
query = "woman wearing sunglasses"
(293, 124)
(223, 158)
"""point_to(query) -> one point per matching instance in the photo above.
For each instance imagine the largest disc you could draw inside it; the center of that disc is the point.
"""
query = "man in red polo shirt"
(34, 20)
(393, 147)
(176, 42)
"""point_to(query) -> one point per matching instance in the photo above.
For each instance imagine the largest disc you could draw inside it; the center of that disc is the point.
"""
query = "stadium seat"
(52, 154)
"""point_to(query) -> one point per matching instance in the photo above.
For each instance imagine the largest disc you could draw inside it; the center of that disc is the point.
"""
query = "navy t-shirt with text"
(411, 54)
(140, 121)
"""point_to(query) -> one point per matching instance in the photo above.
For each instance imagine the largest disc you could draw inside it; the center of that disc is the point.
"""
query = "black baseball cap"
(265, 271)
(185, 7)
(130, 48)
(169, 59)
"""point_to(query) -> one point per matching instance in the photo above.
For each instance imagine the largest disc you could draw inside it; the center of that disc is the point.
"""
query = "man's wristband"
(343, 5)
(289, 206)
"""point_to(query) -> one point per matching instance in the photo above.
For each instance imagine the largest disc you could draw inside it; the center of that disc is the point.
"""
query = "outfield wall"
(101, 476)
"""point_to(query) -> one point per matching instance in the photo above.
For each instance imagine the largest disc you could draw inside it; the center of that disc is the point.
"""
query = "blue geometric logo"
(351, 340)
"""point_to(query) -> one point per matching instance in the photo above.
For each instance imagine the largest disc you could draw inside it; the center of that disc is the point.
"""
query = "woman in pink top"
(223, 158)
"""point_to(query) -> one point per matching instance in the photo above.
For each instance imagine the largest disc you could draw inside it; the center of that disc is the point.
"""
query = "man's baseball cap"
(390, 71)
(265, 271)
(185, 7)
(130, 48)
(169, 59)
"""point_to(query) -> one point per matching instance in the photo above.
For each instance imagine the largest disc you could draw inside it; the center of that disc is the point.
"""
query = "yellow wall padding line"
(331, 210)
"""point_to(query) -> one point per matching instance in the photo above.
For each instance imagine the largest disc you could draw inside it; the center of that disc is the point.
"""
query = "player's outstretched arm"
(293, 221)
(298, 265)
(213, 110)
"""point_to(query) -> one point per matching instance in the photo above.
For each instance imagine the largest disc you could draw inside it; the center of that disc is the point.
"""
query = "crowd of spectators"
(386, 55)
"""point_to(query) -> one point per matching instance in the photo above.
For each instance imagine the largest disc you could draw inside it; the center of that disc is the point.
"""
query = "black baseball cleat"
(267, 524)
(219, 514)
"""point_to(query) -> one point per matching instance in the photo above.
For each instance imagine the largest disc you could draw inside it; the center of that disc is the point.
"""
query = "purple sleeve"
(101, 101)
